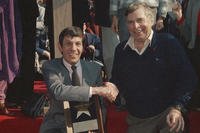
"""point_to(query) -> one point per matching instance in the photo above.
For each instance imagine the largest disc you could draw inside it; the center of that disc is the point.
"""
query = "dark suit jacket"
(60, 89)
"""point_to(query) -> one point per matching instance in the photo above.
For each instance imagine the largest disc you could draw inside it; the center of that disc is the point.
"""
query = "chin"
(139, 39)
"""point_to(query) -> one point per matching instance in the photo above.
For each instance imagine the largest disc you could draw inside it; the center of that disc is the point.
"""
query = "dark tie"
(75, 77)
(77, 106)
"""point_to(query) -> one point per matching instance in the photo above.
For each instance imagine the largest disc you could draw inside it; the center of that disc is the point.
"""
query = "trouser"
(109, 42)
(3, 88)
(123, 30)
(156, 124)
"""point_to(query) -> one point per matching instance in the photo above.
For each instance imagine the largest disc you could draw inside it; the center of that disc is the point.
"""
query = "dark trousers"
(155, 124)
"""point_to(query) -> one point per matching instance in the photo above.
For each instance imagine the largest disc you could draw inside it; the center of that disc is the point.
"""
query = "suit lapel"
(85, 73)
(65, 70)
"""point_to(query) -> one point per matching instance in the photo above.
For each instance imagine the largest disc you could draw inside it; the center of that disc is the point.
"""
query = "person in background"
(154, 74)
(10, 50)
(42, 41)
(92, 45)
(188, 23)
(109, 38)
(58, 73)
(117, 10)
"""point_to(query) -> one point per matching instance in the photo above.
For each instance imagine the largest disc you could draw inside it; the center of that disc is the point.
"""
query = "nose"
(73, 46)
(135, 25)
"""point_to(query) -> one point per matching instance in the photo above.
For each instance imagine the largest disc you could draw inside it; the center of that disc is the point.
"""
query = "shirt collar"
(68, 66)
(130, 41)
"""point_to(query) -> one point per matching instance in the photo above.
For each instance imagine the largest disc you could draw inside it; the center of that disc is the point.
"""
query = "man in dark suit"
(58, 74)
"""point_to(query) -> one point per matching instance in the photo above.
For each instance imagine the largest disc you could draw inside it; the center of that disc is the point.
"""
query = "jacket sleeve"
(186, 78)
(59, 84)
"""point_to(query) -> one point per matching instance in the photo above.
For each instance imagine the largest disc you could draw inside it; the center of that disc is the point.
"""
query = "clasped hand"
(109, 91)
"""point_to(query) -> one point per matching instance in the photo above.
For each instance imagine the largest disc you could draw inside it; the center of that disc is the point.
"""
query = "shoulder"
(165, 40)
(54, 63)
(169, 45)
(121, 45)
(163, 36)
(91, 67)
(91, 64)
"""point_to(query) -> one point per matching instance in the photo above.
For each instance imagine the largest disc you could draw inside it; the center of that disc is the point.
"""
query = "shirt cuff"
(181, 108)
(90, 92)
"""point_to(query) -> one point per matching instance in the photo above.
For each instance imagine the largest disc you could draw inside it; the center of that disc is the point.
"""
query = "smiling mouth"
(72, 55)
(138, 30)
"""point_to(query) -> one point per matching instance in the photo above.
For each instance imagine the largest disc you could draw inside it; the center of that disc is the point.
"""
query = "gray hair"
(150, 12)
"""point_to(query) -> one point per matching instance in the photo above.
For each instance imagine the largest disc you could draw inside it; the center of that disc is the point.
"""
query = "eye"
(130, 22)
(78, 44)
(140, 20)
(67, 44)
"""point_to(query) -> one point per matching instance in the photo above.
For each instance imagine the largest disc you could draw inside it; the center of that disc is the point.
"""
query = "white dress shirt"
(147, 43)
(79, 71)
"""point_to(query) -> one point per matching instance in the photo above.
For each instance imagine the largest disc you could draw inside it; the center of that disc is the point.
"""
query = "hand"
(114, 25)
(108, 91)
(47, 54)
(175, 120)
(40, 25)
(159, 24)
(91, 48)
(84, 27)
(113, 91)
(177, 10)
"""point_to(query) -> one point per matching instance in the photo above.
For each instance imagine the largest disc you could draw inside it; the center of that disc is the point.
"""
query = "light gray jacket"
(60, 89)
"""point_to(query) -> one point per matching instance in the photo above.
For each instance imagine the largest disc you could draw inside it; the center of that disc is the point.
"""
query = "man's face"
(139, 25)
(72, 49)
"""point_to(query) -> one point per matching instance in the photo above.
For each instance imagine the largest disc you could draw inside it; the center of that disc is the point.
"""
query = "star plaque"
(86, 116)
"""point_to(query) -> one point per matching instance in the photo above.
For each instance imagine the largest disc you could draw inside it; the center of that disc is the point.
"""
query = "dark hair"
(72, 31)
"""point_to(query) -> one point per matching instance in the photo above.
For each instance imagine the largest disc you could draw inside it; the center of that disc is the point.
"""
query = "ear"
(60, 48)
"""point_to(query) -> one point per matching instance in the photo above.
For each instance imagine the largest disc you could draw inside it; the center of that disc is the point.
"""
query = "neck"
(139, 45)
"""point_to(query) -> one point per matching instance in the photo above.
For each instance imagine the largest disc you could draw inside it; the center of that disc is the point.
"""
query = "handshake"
(108, 91)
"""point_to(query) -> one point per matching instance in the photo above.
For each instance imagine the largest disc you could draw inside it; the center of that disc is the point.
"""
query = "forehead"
(138, 13)
(72, 39)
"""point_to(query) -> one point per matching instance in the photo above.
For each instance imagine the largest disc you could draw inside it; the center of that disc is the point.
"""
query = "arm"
(161, 13)
(113, 14)
(42, 51)
(177, 10)
(116, 74)
(59, 83)
(186, 82)
(107, 90)
(61, 89)
(164, 7)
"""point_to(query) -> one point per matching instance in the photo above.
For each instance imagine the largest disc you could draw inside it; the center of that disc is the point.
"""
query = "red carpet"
(194, 119)
(40, 87)
(19, 123)
(115, 120)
